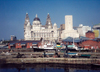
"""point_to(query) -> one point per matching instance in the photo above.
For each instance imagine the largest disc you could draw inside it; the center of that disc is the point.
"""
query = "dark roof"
(12, 43)
(36, 19)
(24, 42)
(35, 43)
(89, 32)
(70, 39)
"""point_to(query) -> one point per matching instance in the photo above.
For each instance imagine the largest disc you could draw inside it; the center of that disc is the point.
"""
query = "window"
(18, 44)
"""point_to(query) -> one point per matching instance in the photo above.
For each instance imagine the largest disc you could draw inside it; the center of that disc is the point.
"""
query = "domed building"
(36, 31)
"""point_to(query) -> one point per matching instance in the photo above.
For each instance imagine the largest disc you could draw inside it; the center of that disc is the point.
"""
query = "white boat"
(47, 46)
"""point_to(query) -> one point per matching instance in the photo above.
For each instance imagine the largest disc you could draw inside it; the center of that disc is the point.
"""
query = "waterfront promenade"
(51, 57)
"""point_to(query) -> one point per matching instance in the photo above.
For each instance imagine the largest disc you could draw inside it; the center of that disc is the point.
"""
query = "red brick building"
(90, 35)
(89, 44)
(22, 44)
(85, 42)
(18, 45)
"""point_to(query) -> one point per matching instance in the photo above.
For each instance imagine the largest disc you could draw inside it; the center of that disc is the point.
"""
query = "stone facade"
(69, 31)
(36, 31)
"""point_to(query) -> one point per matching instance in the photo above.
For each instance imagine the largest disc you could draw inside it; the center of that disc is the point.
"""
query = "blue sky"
(12, 13)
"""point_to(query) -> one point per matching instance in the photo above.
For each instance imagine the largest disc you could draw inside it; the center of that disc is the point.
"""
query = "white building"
(36, 31)
(69, 31)
(83, 29)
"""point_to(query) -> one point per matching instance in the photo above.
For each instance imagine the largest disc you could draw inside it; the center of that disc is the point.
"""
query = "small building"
(90, 35)
(22, 44)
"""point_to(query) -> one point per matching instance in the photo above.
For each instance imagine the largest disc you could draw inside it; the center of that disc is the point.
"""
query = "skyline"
(13, 12)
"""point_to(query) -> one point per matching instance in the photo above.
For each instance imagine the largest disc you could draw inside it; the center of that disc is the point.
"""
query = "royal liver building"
(36, 31)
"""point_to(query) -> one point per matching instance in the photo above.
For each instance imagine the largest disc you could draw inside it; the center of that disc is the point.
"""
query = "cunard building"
(36, 30)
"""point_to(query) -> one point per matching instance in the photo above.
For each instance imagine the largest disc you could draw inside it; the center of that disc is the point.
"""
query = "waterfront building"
(69, 31)
(90, 35)
(87, 42)
(36, 31)
(83, 29)
(23, 44)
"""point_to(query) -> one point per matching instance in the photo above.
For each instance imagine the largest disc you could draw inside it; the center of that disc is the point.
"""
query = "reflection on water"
(48, 68)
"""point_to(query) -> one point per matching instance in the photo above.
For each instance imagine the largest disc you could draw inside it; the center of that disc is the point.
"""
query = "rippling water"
(48, 68)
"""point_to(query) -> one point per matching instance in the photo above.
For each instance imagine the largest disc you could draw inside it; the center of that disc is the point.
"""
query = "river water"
(48, 68)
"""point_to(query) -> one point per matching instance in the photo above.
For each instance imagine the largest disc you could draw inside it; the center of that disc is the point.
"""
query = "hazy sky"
(12, 13)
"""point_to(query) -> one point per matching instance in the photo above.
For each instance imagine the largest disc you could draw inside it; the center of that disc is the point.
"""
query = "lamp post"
(66, 51)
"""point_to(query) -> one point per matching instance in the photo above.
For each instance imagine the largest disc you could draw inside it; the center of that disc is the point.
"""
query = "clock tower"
(48, 22)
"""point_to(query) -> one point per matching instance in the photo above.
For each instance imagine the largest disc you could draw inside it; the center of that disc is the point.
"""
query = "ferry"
(47, 46)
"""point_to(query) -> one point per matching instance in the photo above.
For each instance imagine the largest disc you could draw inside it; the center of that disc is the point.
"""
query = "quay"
(37, 57)
(50, 60)
(29, 57)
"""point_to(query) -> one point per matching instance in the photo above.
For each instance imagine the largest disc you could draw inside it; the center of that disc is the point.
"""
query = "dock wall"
(50, 60)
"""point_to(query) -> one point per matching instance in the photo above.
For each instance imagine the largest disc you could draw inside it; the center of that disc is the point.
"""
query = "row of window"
(38, 35)
(43, 31)
(19, 44)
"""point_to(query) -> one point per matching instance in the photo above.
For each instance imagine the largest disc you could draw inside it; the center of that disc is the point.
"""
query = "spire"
(48, 21)
(27, 17)
(36, 16)
(26, 20)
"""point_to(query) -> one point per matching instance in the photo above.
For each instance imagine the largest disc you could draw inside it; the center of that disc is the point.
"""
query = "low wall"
(50, 60)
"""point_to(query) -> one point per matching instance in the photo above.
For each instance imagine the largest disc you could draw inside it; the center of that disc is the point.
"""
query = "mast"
(73, 40)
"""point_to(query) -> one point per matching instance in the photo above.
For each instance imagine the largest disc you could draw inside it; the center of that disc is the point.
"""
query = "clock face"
(49, 22)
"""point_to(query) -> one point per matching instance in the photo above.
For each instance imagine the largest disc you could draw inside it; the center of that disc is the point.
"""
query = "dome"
(36, 18)
(55, 24)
